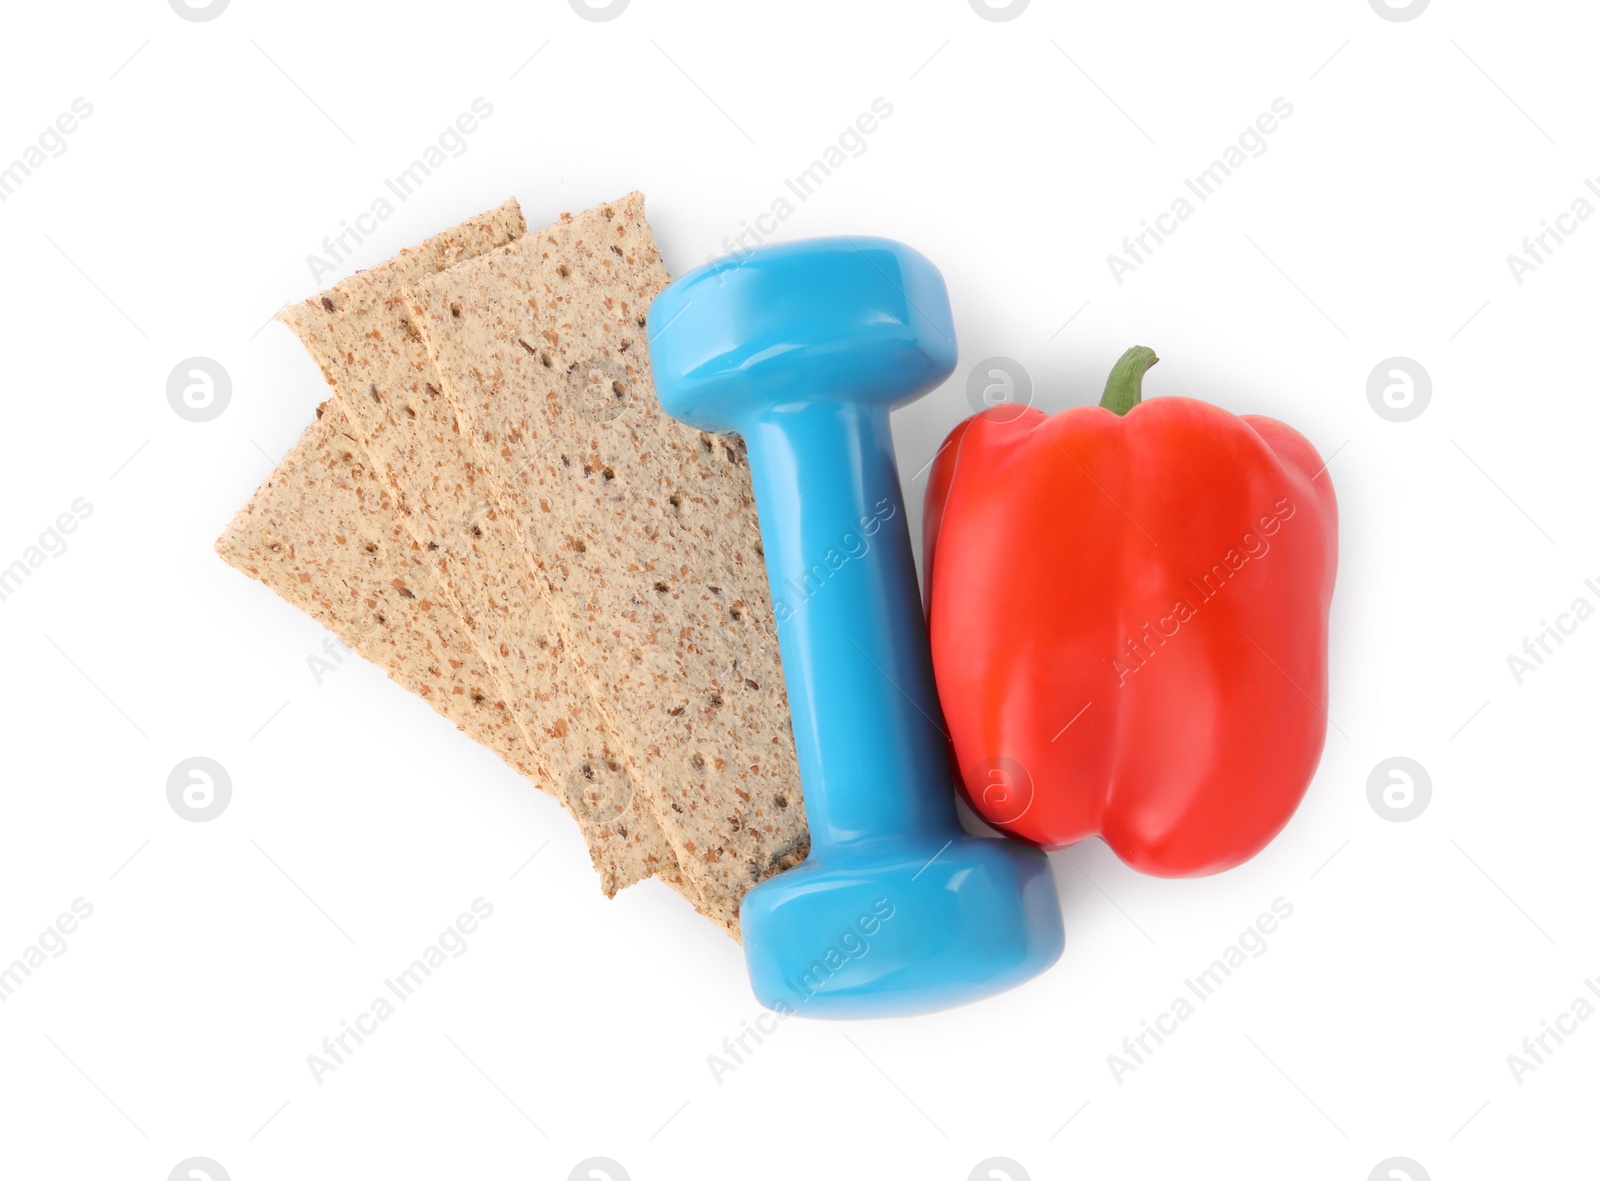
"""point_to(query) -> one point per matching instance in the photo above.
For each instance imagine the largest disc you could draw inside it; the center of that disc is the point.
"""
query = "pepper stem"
(1127, 375)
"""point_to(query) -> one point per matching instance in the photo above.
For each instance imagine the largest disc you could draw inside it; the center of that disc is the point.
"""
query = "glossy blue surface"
(803, 349)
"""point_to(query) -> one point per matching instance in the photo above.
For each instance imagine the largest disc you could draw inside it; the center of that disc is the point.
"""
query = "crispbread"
(383, 379)
(644, 529)
(323, 533)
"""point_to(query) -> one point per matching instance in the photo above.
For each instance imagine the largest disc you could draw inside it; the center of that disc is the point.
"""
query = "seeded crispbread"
(322, 531)
(382, 377)
(644, 529)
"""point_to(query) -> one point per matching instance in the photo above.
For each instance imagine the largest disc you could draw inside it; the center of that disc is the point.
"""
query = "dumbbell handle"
(867, 726)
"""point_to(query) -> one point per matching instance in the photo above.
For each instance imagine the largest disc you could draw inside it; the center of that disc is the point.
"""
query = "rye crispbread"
(358, 334)
(322, 531)
(644, 529)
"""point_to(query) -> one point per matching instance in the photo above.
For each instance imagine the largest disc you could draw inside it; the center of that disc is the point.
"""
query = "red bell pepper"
(1128, 607)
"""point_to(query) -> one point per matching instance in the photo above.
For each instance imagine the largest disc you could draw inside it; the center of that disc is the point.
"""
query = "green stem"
(1127, 375)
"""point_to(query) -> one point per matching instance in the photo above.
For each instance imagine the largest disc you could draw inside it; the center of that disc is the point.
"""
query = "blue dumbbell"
(803, 349)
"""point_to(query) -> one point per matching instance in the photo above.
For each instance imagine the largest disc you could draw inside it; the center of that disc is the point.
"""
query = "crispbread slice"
(644, 528)
(358, 334)
(322, 531)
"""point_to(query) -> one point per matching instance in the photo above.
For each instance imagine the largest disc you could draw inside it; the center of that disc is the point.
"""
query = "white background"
(1018, 155)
